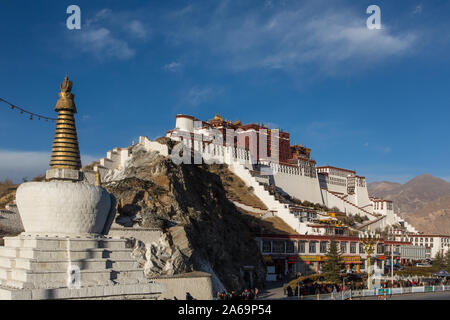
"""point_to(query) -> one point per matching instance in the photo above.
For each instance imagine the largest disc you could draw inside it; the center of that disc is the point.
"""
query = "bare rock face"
(161, 258)
(204, 230)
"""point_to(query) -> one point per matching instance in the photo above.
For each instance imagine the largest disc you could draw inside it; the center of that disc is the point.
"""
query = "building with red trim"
(305, 254)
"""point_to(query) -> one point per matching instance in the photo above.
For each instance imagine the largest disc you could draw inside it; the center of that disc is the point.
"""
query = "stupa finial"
(65, 163)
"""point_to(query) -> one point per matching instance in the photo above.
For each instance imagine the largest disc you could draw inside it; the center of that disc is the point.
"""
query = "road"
(414, 296)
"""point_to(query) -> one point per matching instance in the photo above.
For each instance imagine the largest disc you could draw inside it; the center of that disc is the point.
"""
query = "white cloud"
(102, 43)
(173, 66)
(292, 38)
(198, 95)
(15, 165)
(138, 29)
(110, 34)
(418, 9)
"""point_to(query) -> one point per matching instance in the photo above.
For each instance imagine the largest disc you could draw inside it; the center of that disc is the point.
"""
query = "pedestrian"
(188, 296)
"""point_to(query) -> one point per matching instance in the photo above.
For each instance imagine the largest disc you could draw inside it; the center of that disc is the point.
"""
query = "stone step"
(57, 279)
(5, 274)
(64, 243)
(15, 284)
(62, 265)
(121, 291)
(63, 254)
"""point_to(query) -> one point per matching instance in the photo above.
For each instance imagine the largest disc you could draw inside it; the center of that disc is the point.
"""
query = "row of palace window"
(416, 239)
(286, 246)
(378, 205)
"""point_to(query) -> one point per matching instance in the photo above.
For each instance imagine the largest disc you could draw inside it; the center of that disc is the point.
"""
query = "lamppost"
(368, 241)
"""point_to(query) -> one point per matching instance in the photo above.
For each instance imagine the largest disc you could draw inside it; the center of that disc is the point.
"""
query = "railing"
(348, 294)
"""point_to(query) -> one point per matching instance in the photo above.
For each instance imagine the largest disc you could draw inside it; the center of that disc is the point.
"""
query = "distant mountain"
(382, 189)
(423, 201)
(433, 217)
(413, 194)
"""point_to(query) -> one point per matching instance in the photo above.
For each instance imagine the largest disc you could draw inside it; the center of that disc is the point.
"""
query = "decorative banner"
(311, 258)
(31, 114)
(351, 259)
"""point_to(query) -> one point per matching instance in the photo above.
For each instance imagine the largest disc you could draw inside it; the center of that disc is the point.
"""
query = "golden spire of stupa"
(65, 152)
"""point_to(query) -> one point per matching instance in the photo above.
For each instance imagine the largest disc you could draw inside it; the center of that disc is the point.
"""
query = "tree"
(447, 260)
(439, 261)
(333, 264)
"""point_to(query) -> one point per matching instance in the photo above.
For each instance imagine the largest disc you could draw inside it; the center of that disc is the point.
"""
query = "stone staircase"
(280, 209)
(35, 267)
(117, 158)
(358, 210)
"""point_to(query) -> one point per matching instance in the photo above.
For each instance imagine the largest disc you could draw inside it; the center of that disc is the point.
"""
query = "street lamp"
(368, 241)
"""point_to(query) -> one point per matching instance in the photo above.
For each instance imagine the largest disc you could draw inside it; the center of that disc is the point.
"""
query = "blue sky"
(376, 101)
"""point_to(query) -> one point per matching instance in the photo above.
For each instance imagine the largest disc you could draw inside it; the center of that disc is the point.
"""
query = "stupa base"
(64, 174)
(63, 267)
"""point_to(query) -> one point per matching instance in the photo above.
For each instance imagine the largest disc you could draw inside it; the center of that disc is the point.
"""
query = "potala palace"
(71, 240)
(294, 174)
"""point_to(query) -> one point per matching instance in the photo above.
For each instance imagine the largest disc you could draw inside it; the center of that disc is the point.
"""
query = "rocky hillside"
(422, 201)
(189, 203)
(7, 193)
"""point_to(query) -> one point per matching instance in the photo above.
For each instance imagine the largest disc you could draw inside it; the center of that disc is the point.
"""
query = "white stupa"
(64, 252)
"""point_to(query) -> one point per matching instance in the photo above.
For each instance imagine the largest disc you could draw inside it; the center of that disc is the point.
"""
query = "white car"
(423, 265)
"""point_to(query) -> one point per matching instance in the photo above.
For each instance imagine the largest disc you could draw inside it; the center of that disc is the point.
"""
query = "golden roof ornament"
(66, 98)
(65, 163)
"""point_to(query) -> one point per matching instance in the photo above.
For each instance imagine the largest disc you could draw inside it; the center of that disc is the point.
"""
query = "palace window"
(289, 247)
(278, 247)
(361, 248)
(380, 248)
(301, 246)
(312, 247)
(352, 247)
(343, 247)
(266, 246)
(323, 246)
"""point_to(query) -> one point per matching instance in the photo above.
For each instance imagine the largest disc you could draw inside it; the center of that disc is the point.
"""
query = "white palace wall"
(362, 199)
(299, 186)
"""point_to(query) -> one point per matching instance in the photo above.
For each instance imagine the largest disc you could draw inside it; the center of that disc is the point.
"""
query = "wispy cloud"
(102, 43)
(291, 38)
(173, 66)
(418, 9)
(17, 164)
(110, 35)
(198, 95)
(138, 29)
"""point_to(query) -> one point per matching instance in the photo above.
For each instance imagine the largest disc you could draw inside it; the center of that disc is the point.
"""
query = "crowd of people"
(233, 295)
(311, 288)
(415, 283)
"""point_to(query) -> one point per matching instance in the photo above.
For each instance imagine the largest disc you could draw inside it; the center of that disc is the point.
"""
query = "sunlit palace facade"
(305, 254)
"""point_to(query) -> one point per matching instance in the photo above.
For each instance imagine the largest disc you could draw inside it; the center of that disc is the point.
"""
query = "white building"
(292, 170)
(432, 242)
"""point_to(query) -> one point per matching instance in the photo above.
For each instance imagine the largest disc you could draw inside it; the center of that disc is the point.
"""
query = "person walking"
(188, 296)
